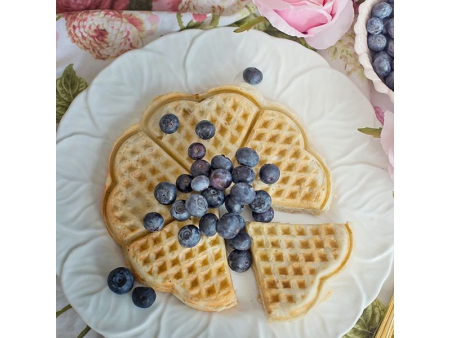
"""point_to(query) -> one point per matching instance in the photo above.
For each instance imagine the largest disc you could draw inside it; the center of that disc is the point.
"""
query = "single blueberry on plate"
(221, 162)
(390, 80)
(242, 241)
(208, 223)
(169, 123)
(269, 173)
(247, 156)
(183, 183)
(120, 280)
(264, 217)
(214, 197)
(220, 179)
(252, 75)
(243, 173)
(200, 167)
(178, 210)
(196, 205)
(143, 296)
(153, 221)
(374, 25)
(200, 183)
(196, 151)
(228, 226)
(242, 193)
(205, 130)
(381, 10)
(165, 193)
(376, 42)
(189, 236)
(232, 206)
(261, 203)
(381, 66)
(240, 260)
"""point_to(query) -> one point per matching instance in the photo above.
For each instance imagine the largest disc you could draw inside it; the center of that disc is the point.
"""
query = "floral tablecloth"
(90, 34)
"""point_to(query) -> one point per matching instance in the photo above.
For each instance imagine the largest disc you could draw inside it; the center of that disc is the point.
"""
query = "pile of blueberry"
(212, 185)
(121, 281)
(380, 40)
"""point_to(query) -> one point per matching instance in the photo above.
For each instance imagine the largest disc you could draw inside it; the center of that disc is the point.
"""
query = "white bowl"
(361, 48)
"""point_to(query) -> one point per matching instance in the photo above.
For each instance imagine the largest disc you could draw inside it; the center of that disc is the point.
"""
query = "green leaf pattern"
(367, 325)
(68, 86)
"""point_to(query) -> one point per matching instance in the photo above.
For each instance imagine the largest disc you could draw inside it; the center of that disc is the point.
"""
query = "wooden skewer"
(386, 328)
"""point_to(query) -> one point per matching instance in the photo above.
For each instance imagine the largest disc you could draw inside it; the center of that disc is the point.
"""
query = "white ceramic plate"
(193, 61)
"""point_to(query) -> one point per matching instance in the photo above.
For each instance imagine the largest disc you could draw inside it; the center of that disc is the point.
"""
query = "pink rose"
(387, 140)
(321, 22)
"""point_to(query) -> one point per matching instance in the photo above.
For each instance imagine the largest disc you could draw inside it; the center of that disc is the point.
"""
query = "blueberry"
(169, 123)
(200, 167)
(196, 205)
(382, 54)
(264, 217)
(241, 222)
(200, 183)
(214, 197)
(376, 42)
(205, 129)
(232, 206)
(220, 179)
(208, 223)
(252, 75)
(242, 241)
(381, 66)
(153, 221)
(390, 27)
(228, 226)
(196, 151)
(221, 162)
(243, 173)
(178, 210)
(165, 193)
(242, 193)
(247, 156)
(390, 80)
(240, 260)
(189, 236)
(374, 25)
(269, 173)
(120, 280)
(261, 203)
(381, 10)
(183, 183)
(143, 296)
(390, 47)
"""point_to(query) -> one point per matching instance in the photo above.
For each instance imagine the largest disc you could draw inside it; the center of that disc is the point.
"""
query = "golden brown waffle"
(198, 276)
(144, 156)
(291, 262)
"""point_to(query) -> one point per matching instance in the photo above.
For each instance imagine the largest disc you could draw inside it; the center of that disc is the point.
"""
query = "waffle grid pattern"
(137, 166)
(302, 183)
(202, 271)
(288, 259)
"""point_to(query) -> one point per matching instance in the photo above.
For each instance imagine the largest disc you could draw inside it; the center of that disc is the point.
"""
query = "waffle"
(291, 263)
(144, 156)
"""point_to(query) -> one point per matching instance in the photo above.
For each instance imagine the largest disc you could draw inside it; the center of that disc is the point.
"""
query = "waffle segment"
(198, 276)
(292, 261)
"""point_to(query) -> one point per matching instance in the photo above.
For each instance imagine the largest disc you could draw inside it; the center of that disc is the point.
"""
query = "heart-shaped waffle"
(145, 156)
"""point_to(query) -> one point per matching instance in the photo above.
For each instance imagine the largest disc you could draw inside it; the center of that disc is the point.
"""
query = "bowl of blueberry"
(374, 43)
